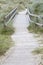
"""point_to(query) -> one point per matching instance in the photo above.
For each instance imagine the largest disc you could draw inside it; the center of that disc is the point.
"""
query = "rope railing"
(10, 16)
(34, 15)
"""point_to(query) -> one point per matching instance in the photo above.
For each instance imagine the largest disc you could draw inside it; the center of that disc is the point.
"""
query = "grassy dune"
(5, 43)
(5, 38)
(5, 32)
(35, 28)
(36, 8)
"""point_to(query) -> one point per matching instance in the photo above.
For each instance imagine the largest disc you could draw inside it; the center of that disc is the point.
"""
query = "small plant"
(5, 43)
(35, 28)
(38, 50)
(7, 31)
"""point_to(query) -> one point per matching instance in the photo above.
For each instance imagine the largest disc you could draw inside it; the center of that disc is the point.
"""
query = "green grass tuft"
(35, 28)
(5, 37)
(38, 51)
(7, 31)
(5, 43)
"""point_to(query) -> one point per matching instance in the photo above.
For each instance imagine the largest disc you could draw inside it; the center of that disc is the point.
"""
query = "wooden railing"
(10, 16)
(34, 15)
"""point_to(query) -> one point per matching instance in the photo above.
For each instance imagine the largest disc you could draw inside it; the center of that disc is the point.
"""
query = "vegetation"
(35, 28)
(5, 38)
(38, 50)
(5, 7)
(5, 32)
(36, 8)
(5, 43)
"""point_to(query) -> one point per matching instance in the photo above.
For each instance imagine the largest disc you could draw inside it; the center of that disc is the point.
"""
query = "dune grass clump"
(5, 43)
(35, 28)
(5, 38)
(38, 50)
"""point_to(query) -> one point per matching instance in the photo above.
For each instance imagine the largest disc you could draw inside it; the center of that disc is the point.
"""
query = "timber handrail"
(10, 16)
(38, 16)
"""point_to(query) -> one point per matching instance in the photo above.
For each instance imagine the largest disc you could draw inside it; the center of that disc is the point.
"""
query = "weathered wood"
(41, 25)
(33, 14)
(10, 16)
(39, 16)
